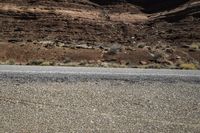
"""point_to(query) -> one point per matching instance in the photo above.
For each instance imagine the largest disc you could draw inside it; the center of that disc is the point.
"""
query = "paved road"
(60, 100)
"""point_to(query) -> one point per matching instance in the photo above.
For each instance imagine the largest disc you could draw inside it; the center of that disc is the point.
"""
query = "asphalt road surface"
(62, 100)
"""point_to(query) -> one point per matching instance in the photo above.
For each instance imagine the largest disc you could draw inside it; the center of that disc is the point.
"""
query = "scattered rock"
(99, 62)
(157, 57)
(104, 48)
(83, 63)
(178, 57)
(59, 44)
(123, 62)
(22, 44)
(114, 49)
(143, 63)
(159, 60)
(141, 45)
(129, 48)
(47, 44)
(66, 60)
(83, 46)
(53, 63)
(72, 47)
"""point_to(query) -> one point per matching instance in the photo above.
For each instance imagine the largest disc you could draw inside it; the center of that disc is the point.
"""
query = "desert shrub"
(195, 46)
(35, 62)
(53, 63)
(11, 62)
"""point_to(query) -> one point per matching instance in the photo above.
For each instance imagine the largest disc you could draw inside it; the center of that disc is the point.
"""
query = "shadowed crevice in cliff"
(179, 14)
(148, 6)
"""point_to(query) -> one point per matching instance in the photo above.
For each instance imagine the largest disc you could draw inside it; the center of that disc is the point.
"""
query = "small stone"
(132, 37)
(178, 57)
(59, 44)
(22, 44)
(83, 46)
(67, 60)
(47, 44)
(72, 47)
(83, 63)
(99, 61)
(114, 49)
(141, 45)
(130, 48)
(143, 62)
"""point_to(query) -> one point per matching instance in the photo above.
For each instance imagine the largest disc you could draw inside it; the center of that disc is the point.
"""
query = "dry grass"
(188, 66)
(195, 46)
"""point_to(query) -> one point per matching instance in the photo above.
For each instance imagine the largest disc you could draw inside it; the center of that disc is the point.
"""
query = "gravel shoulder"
(100, 33)
(38, 100)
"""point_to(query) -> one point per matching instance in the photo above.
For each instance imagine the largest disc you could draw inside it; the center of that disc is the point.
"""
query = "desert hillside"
(108, 33)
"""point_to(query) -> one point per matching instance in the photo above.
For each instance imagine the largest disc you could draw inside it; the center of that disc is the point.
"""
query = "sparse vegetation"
(11, 62)
(195, 46)
(188, 66)
(48, 63)
(52, 63)
(41, 63)
(35, 62)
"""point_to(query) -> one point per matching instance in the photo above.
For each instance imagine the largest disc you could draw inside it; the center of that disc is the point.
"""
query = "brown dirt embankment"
(89, 33)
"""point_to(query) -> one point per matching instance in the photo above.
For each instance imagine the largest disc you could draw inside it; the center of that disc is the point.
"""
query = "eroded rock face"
(80, 29)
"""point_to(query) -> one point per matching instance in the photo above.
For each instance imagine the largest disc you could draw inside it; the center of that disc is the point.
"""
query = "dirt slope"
(100, 33)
